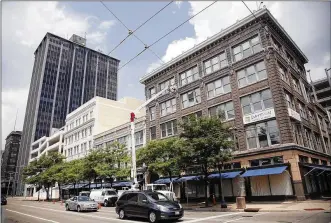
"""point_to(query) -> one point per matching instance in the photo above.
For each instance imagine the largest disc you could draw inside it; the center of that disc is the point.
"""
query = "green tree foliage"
(162, 156)
(205, 139)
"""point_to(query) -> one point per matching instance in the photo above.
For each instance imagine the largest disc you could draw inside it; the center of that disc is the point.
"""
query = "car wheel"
(152, 217)
(78, 209)
(67, 208)
(121, 214)
(105, 203)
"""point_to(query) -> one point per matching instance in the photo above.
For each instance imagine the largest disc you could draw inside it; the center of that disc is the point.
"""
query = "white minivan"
(105, 197)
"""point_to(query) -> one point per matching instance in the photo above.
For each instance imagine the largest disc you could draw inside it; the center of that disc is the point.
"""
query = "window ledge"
(219, 95)
(252, 83)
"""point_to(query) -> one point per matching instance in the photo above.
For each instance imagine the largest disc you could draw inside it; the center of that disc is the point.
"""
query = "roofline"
(51, 34)
(217, 36)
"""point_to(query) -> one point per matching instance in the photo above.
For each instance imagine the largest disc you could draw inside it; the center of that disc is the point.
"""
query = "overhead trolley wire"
(132, 32)
(168, 33)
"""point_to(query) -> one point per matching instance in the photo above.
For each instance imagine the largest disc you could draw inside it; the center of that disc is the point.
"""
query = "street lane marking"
(32, 216)
(212, 217)
(80, 214)
(237, 219)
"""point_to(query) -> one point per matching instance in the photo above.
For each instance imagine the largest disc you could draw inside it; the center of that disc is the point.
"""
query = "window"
(283, 74)
(229, 166)
(152, 113)
(215, 63)
(267, 161)
(151, 92)
(296, 85)
(289, 101)
(302, 109)
(153, 132)
(318, 141)
(311, 116)
(169, 128)
(168, 107)
(251, 74)
(191, 98)
(303, 159)
(257, 102)
(225, 111)
(324, 162)
(189, 76)
(297, 134)
(167, 83)
(315, 161)
(262, 134)
(277, 45)
(247, 48)
(132, 197)
(91, 114)
(123, 140)
(218, 87)
(196, 115)
(310, 143)
(139, 138)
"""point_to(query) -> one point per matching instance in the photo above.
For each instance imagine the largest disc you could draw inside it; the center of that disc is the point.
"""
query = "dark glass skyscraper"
(65, 75)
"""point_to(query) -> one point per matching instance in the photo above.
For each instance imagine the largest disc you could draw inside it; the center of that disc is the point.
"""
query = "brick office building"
(254, 72)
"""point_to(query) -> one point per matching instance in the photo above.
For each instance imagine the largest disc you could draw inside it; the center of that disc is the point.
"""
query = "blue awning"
(228, 175)
(265, 171)
(187, 178)
(164, 181)
(122, 184)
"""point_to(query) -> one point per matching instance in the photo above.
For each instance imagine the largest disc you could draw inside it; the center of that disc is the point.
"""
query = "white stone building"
(92, 118)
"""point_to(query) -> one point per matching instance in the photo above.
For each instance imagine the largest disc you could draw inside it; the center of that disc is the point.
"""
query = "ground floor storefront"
(278, 174)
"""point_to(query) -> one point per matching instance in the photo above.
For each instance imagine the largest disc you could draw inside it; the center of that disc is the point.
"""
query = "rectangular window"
(225, 111)
(247, 48)
(297, 134)
(302, 109)
(151, 92)
(289, 101)
(168, 107)
(252, 74)
(315, 161)
(257, 102)
(215, 63)
(139, 138)
(296, 85)
(169, 129)
(262, 134)
(189, 76)
(311, 116)
(310, 143)
(267, 161)
(303, 159)
(283, 73)
(191, 98)
(196, 115)
(277, 45)
(152, 113)
(167, 83)
(324, 162)
(318, 141)
(153, 132)
(219, 87)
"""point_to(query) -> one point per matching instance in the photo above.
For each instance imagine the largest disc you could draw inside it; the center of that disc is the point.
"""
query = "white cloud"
(24, 26)
(299, 19)
(178, 3)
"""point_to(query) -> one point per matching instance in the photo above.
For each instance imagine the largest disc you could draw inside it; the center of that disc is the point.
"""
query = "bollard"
(241, 202)
(214, 200)
(99, 206)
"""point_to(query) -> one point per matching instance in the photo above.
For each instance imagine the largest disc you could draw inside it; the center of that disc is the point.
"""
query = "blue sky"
(24, 24)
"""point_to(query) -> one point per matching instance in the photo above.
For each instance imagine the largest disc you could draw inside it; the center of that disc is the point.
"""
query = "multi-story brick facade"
(256, 73)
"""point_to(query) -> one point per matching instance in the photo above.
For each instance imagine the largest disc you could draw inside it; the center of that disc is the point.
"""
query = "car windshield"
(158, 197)
(110, 192)
(83, 198)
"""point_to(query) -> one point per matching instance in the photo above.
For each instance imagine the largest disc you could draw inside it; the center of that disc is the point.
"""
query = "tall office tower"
(65, 75)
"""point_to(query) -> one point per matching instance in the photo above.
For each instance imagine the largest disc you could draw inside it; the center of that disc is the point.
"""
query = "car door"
(74, 204)
(132, 202)
(142, 206)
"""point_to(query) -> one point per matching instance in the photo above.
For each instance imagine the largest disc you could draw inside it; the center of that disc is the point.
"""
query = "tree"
(162, 156)
(74, 171)
(203, 139)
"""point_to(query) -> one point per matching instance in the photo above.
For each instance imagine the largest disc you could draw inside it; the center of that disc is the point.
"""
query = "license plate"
(176, 212)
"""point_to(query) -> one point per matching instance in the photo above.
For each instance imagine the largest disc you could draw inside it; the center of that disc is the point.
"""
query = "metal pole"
(133, 154)
(8, 184)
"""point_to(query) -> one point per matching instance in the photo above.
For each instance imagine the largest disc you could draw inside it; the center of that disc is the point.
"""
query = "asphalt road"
(36, 212)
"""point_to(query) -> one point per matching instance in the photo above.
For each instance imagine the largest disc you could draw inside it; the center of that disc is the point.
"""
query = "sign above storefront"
(294, 114)
(258, 116)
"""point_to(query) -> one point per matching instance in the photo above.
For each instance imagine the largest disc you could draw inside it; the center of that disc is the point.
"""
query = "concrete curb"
(237, 210)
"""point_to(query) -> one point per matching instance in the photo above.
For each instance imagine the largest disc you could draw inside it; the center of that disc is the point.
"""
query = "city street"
(31, 211)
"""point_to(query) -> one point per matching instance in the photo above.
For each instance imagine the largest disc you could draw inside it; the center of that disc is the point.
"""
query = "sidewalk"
(289, 206)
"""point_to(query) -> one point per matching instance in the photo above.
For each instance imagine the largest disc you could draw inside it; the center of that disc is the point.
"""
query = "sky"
(24, 24)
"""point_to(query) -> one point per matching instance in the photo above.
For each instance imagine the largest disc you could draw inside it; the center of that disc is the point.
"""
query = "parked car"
(3, 200)
(81, 203)
(105, 197)
(147, 204)
(85, 193)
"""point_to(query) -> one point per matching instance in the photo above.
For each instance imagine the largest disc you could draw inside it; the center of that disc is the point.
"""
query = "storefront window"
(314, 161)
(267, 161)
(303, 159)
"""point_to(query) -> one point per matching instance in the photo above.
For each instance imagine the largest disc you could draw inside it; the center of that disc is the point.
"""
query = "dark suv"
(146, 204)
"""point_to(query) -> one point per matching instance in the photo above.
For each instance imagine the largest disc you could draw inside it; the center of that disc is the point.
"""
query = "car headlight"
(180, 206)
(162, 208)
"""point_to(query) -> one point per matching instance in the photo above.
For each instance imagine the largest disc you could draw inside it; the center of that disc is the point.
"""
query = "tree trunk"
(220, 185)
(47, 192)
(39, 192)
(75, 188)
(206, 190)
(60, 192)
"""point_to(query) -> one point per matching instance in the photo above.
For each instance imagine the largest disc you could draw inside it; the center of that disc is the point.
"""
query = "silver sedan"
(81, 203)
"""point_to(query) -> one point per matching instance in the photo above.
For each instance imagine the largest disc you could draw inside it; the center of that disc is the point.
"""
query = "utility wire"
(132, 32)
(168, 33)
